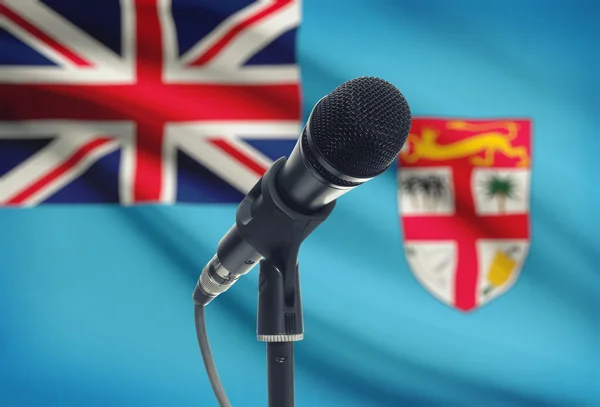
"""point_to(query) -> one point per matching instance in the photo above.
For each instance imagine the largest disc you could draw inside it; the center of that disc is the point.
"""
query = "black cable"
(207, 357)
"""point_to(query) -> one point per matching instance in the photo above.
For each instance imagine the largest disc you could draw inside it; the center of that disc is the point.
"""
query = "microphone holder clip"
(276, 231)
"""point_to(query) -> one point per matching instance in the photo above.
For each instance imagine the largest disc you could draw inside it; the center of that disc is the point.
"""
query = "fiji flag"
(466, 275)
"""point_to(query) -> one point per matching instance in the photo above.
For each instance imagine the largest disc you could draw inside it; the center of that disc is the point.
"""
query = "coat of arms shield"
(463, 194)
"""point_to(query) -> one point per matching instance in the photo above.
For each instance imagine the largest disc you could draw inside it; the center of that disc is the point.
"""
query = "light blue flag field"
(465, 275)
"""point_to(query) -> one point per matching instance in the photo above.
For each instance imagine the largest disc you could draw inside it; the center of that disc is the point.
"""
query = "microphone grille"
(361, 126)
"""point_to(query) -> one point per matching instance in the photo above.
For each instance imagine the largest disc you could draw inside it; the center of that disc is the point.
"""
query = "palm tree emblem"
(432, 189)
(501, 189)
(410, 186)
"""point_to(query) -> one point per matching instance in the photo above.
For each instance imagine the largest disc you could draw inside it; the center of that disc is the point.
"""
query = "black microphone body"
(351, 136)
(301, 189)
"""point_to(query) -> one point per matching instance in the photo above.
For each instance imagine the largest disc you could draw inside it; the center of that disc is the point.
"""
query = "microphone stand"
(279, 324)
(276, 231)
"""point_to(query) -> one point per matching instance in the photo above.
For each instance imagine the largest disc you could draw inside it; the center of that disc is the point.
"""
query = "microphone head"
(358, 129)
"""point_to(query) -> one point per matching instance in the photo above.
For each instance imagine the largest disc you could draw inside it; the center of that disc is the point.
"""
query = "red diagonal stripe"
(239, 156)
(59, 171)
(42, 36)
(235, 30)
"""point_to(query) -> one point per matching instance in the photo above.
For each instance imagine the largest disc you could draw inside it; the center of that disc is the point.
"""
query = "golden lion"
(489, 141)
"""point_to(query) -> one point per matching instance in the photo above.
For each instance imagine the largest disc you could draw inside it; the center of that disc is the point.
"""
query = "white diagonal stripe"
(193, 138)
(33, 42)
(250, 152)
(197, 146)
(72, 134)
(257, 36)
(39, 164)
(207, 42)
(71, 173)
(107, 66)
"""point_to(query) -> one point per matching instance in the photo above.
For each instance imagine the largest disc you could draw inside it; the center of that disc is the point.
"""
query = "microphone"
(351, 136)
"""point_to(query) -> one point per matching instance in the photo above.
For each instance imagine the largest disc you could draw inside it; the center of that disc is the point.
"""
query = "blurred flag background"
(112, 112)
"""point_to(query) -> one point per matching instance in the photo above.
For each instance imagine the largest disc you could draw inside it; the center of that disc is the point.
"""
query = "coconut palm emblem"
(431, 187)
(501, 189)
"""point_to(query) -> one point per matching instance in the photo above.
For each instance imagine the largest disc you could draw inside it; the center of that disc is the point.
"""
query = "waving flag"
(467, 275)
(144, 102)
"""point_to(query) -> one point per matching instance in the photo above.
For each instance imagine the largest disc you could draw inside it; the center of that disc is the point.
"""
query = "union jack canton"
(144, 101)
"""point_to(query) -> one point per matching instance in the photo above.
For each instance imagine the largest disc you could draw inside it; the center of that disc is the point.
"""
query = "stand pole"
(279, 324)
(280, 368)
